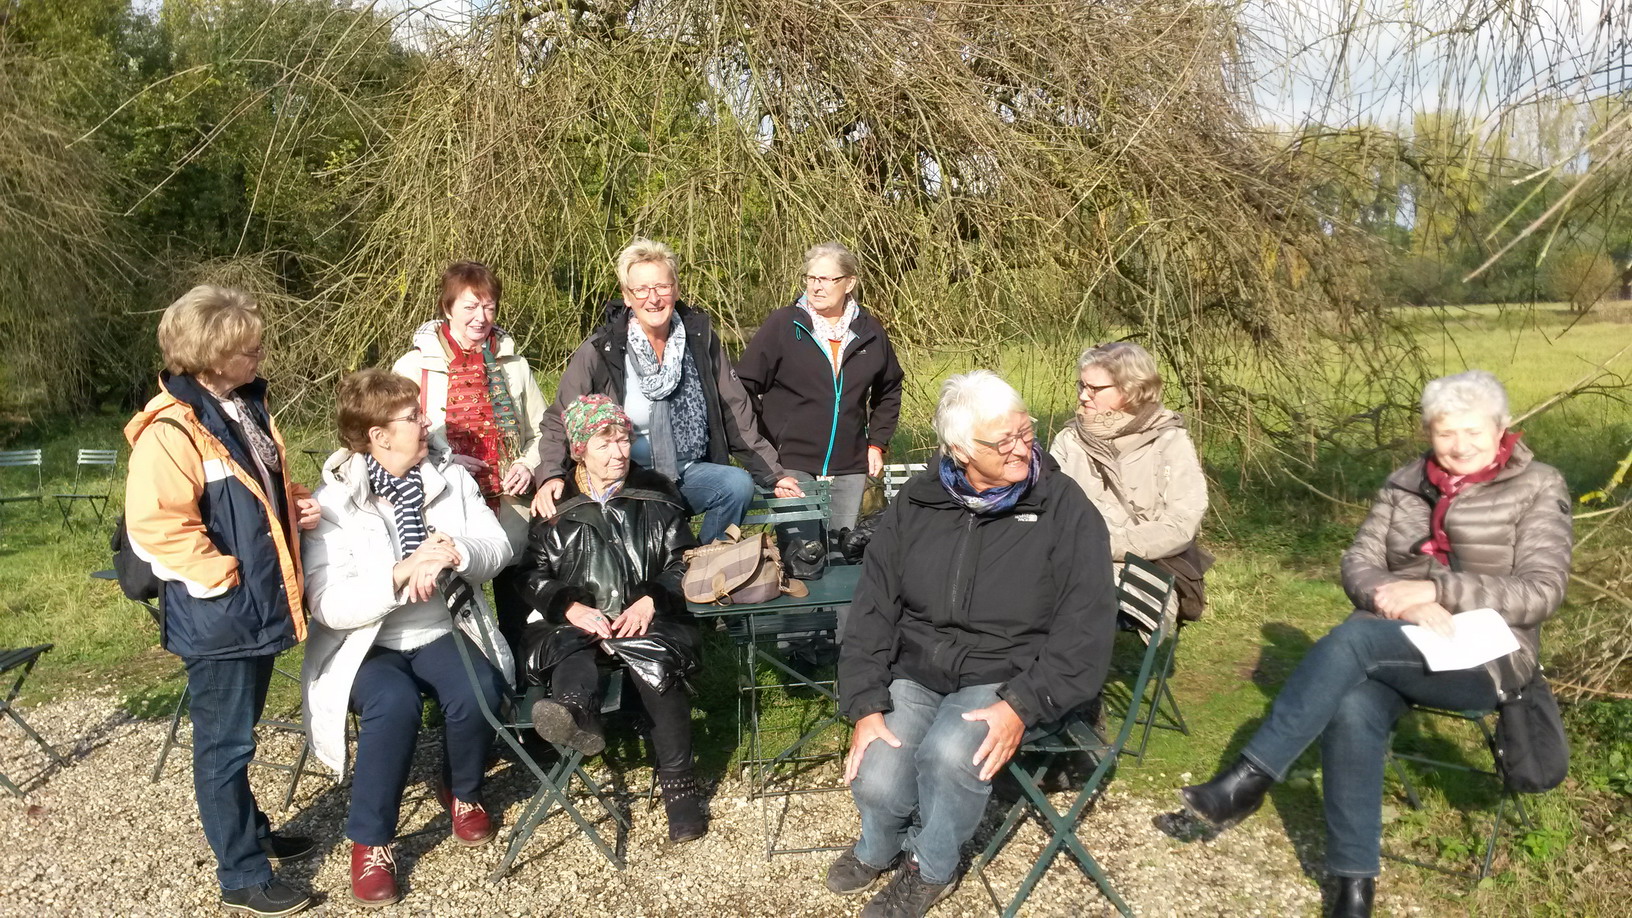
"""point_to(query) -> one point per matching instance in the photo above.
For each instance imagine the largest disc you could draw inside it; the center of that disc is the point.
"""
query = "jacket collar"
(925, 489)
(640, 484)
(431, 344)
(864, 326)
(614, 328)
(181, 390)
(1413, 476)
(348, 470)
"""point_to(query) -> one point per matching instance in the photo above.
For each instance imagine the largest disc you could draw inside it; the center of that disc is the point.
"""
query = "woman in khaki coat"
(1477, 523)
(484, 407)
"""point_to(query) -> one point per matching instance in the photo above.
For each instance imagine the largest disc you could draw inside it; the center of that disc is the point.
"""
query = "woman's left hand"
(1392, 599)
(875, 462)
(517, 481)
(634, 620)
(307, 512)
(788, 486)
(1004, 728)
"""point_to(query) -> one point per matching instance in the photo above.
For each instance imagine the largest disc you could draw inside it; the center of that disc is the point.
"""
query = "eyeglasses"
(641, 293)
(816, 280)
(1092, 390)
(412, 418)
(256, 352)
(1007, 444)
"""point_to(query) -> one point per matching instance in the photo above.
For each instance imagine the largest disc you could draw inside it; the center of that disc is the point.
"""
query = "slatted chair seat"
(1398, 756)
(1146, 587)
(19, 663)
(93, 483)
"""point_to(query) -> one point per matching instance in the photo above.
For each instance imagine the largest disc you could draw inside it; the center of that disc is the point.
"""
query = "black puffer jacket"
(608, 557)
(949, 599)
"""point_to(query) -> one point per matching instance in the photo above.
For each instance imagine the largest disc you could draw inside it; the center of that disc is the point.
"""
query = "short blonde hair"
(206, 327)
(368, 399)
(1130, 367)
(1474, 390)
(969, 400)
(642, 251)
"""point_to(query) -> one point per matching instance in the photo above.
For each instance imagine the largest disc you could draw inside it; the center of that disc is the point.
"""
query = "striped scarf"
(407, 497)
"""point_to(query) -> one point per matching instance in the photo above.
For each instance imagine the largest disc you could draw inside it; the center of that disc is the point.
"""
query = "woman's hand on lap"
(636, 619)
(1392, 599)
(592, 620)
(1433, 616)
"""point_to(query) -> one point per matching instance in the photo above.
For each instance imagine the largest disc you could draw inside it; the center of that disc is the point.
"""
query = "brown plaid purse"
(737, 571)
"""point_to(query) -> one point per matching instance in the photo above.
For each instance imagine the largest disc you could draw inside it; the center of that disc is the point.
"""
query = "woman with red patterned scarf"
(484, 407)
(1476, 523)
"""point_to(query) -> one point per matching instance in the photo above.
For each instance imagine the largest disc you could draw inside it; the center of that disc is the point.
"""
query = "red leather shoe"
(472, 827)
(373, 875)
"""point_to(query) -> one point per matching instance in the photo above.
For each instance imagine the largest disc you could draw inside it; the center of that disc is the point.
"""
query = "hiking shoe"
(472, 826)
(907, 896)
(568, 725)
(269, 899)
(849, 875)
(373, 875)
(286, 849)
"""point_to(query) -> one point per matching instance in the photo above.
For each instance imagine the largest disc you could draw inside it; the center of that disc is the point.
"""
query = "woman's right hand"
(869, 728)
(469, 463)
(545, 497)
(1431, 615)
(585, 618)
(418, 572)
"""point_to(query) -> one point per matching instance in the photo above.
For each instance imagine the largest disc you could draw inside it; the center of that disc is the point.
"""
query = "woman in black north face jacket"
(986, 607)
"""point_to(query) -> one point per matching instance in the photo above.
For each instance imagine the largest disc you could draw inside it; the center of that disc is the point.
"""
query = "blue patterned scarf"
(407, 497)
(991, 501)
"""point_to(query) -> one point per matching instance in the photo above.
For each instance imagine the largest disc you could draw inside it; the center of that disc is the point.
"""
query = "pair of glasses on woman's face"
(1007, 444)
(411, 417)
(816, 280)
(1092, 390)
(641, 293)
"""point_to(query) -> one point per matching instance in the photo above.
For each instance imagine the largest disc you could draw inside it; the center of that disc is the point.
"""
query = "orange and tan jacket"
(195, 509)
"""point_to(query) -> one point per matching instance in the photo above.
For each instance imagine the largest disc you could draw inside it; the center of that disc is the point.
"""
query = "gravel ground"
(97, 838)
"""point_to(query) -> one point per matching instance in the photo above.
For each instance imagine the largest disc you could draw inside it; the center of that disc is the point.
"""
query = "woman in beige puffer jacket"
(1475, 524)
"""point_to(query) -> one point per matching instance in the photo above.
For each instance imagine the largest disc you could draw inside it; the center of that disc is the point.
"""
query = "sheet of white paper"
(1480, 636)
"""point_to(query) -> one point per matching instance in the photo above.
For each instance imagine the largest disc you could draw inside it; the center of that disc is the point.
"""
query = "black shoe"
(1354, 895)
(907, 896)
(683, 805)
(850, 875)
(286, 849)
(269, 899)
(1234, 794)
(568, 725)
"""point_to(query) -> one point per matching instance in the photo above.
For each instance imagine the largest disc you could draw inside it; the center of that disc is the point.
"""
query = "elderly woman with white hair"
(1476, 523)
(662, 361)
(1134, 458)
(986, 608)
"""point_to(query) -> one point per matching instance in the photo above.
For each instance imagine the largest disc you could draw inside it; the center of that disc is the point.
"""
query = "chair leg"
(296, 771)
(170, 735)
(1063, 835)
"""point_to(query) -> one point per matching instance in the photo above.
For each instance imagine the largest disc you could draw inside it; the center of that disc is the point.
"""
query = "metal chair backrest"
(95, 459)
(1142, 593)
(22, 459)
(898, 474)
(768, 509)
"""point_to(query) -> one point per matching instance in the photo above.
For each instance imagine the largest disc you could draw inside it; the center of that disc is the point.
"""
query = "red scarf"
(1438, 544)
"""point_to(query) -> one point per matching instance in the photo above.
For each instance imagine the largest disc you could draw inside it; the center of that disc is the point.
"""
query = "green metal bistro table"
(755, 629)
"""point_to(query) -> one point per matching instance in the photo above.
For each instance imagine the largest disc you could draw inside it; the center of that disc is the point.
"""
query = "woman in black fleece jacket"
(986, 608)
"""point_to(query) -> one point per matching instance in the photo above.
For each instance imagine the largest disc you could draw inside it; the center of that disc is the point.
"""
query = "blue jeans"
(227, 699)
(721, 493)
(1349, 690)
(385, 695)
(932, 773)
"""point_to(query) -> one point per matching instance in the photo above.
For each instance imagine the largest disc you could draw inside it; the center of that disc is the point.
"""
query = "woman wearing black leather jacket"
(604, 572)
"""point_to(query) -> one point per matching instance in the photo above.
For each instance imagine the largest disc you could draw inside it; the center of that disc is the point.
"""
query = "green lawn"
(1273, 592)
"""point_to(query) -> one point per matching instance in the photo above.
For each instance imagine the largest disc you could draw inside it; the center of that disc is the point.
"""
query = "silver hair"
(846, 258)
(967, 401)
(641, 251)
(1474, 390)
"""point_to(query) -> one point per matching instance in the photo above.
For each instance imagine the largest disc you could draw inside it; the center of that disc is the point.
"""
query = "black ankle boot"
(1234, 794)
(569, 724)
(683, 805)
(1354, 895)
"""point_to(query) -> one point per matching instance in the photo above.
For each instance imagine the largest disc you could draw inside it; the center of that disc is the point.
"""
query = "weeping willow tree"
(1028, 173)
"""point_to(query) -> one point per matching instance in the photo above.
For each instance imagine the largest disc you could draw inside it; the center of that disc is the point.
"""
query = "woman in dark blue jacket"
(827, 382)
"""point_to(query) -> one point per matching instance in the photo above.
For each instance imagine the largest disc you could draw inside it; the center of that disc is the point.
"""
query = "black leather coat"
(608, 557)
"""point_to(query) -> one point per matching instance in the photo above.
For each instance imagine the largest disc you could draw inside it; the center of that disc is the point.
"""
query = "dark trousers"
(575, 679)
(511, 607)
(385, 695)
(1348, 691)
(228, 697)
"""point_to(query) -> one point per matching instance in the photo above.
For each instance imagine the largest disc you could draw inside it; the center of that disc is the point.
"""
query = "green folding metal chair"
(19, 663)
(17, 484)
(1397, 757)
(1076, 736)
(93, 483)
(512, 720)
(1143, 605)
